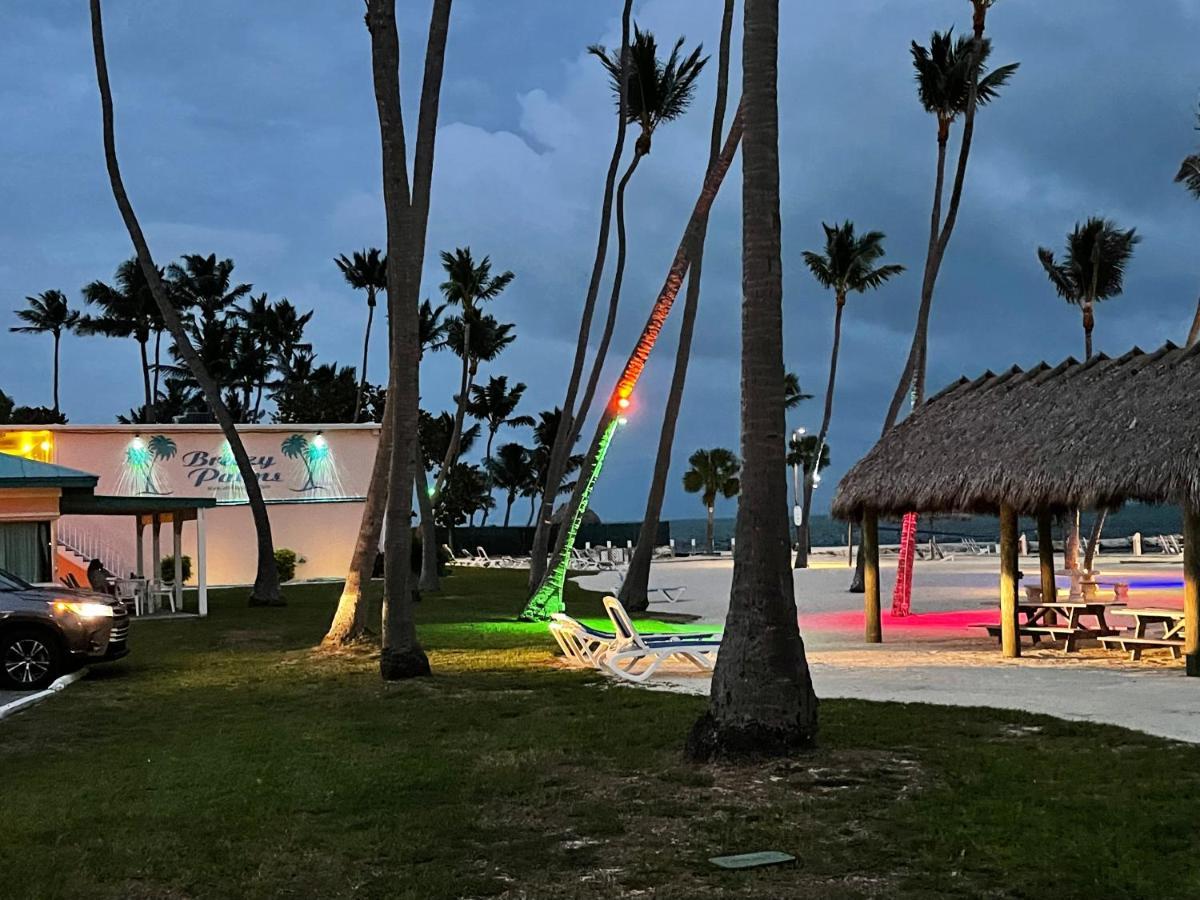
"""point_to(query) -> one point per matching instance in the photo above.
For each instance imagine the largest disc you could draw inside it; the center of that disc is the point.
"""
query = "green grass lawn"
(224, 758)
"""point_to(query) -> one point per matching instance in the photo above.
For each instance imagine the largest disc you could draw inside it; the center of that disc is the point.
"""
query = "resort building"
(154, 485)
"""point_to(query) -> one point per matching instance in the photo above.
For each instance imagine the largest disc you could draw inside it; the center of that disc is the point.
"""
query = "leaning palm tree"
(555, 468)
(1189, 177)
(494, 404)
(848, 264)
(365, 271)
(762, 701)
(468, 284)
(656, 92)
(266, 583)
(713, 473)
(48, 313)
(1092, 270)
(635, 593)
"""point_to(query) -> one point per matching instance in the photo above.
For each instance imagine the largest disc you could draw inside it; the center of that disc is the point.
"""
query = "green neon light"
(549, 597)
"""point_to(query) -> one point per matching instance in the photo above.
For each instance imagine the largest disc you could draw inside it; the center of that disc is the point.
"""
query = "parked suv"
(46, 631)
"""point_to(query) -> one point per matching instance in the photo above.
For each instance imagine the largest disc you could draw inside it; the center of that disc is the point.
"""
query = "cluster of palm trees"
(252, 346)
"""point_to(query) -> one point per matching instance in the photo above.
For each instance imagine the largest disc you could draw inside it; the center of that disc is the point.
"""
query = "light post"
(797, 507)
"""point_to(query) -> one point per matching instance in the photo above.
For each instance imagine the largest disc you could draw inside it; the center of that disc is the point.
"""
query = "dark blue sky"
(248, 129)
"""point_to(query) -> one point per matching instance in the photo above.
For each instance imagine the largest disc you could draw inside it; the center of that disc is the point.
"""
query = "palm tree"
(127, 309)
(952, 81)
(655, 92)
(266, 584)
(634, 588)
(48, 313)
(546, 429)
(407, 214)
(511, 471)
(713, 473)
(468, 283)
(366, 271)
(431, 332)
(555, 466)
(762, 701)
(494, 404)
(1189, 177)
(1092, 269)
(205, 284)
(793, 394)
(847, 264)
(547, 599)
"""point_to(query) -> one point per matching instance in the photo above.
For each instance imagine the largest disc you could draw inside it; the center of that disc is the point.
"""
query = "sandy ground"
(934, 657)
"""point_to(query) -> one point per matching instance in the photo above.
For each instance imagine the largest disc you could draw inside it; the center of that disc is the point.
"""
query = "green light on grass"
(549, 597)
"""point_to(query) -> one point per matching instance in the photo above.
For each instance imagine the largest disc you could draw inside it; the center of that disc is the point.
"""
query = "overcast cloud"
(248, 129)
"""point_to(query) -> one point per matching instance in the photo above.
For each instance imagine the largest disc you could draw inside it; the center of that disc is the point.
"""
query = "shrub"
(285, 563)
(166, 569)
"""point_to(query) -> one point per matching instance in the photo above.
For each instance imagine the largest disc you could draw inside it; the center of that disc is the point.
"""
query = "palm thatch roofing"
(1076, 435)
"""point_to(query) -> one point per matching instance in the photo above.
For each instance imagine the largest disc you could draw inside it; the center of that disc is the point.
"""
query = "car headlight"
(85, 609)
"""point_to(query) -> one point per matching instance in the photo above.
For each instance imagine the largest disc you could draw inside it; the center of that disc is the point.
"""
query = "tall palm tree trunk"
(401, 655)
(634, 589)
(806, 508)
(614, 300)
(430, 581)
(362, 378)
(460, 413)
(508, 509)
(709, 538)
(560, 451)
(547, 599)
(148, 408)
(157, 359)
(350, 618)
(57, 341)
(266, 582)
(762, 700)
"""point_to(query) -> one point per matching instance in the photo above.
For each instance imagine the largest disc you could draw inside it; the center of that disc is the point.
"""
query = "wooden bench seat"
(1135, 645)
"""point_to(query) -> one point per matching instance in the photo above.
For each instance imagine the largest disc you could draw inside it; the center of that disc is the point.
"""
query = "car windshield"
(10, 582)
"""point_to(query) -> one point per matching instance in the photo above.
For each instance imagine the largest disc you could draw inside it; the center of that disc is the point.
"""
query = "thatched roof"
(1084, 435)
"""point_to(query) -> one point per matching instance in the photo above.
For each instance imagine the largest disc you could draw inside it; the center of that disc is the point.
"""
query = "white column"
(201, 564)
(177, 547)
(1137, 543)
(139, 567)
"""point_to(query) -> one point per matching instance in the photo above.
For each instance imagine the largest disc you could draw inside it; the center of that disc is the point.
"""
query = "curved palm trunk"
(614, 300)
(350, 618)
(508, 509)
(57, 341)
(266, 583)
(805, 541)
(362, 378)
(634, 593)
(401, 655)
(547, 599)
(460, 413)
(1089, 557)
(431, 581)
(762, 700)
(560, 452)
(157, 360)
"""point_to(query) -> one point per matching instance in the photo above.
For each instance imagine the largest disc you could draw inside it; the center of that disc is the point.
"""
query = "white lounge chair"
(633, 649)
(587, 647)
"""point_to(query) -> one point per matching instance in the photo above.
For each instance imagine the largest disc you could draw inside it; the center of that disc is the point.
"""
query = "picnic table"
(1145, 617)
(1061, 620)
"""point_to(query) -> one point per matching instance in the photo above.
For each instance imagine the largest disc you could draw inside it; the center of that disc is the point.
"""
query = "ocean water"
(829, 532)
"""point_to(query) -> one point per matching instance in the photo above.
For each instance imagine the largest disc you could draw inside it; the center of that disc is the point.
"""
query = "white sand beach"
(934, 657)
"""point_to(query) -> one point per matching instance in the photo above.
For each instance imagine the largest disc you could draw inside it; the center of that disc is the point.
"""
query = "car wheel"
(29, 660)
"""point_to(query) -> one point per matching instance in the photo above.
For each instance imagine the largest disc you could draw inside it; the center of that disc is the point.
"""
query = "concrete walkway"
(933, 657)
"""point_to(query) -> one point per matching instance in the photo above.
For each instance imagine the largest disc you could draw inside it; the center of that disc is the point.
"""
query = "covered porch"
(153, 514)
(1042, 443)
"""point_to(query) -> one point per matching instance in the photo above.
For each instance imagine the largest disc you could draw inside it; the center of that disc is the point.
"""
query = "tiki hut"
(1037, 442)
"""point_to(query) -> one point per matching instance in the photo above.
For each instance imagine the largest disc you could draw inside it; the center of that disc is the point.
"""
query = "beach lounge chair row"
(480, 559)
(626, 653)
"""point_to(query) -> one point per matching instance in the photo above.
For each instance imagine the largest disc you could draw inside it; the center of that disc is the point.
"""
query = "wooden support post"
(139, 566)
(1010, 640)
(1045, 530)
(177, 552)
(872, 624)
(201, 564)
(1191, 589)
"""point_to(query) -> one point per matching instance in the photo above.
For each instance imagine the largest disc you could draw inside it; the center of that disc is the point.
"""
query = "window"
(25, 549)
